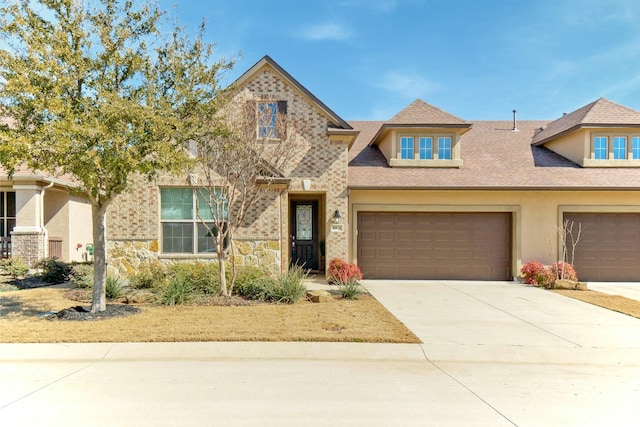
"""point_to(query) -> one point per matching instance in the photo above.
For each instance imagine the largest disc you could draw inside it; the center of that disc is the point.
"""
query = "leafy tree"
(94, 90)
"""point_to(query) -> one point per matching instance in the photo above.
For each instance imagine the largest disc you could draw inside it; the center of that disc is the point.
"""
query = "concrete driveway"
(494, 354)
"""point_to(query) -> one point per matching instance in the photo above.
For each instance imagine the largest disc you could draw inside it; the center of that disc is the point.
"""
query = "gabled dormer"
(421, 135)
(600, 134)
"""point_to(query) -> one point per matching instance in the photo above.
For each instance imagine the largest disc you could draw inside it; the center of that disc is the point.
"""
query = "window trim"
(420, 150)
(195, 222)
(609, 156)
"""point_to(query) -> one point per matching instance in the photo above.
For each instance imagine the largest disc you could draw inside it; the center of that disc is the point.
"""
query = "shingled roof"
(423, 113)
(600, 113)
(495, 157)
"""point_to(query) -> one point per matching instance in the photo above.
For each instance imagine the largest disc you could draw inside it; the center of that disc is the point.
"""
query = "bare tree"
(235, 169)
(568, 242)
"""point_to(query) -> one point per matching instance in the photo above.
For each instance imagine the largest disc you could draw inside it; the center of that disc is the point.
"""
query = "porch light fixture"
(336, 217)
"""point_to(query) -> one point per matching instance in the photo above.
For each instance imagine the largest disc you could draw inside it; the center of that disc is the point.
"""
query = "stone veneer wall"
(130, 257)
(27, 245)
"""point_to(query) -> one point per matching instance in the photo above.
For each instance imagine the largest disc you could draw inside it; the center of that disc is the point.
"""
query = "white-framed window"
(635, 147)
(268, 120)
(406, 147)
(428, 147)
(619, 147)
(181, 210)
(600, 147)
(444, 147)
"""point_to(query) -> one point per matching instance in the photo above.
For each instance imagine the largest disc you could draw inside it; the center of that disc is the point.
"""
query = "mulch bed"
(84, 313)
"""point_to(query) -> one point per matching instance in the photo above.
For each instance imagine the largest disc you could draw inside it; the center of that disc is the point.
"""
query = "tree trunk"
(223, 273)
(99, 300)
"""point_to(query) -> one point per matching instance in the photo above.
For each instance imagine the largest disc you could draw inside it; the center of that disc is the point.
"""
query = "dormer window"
(425, 149)
(614, 149)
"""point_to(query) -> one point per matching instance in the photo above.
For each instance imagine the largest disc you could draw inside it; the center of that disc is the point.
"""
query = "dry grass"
(612, 302)
(362, 320)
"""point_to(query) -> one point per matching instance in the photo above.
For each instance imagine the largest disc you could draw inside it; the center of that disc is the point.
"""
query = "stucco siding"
(536, 214)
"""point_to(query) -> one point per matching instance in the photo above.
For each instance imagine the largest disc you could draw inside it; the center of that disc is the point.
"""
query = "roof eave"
(582, 126)
(465, 127)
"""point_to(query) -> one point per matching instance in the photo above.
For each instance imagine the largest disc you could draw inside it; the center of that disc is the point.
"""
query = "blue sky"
(477, 59)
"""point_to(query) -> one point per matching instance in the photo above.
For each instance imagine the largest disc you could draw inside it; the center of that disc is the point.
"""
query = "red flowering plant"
(564, 270)
(537, 274)
(341, 271)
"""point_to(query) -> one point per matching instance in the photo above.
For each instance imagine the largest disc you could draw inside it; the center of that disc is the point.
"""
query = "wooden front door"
(304, 234)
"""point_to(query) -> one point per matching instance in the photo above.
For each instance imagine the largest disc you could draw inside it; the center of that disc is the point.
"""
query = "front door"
(304, 234)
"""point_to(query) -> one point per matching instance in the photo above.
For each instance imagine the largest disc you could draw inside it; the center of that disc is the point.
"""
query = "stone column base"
(27, 244)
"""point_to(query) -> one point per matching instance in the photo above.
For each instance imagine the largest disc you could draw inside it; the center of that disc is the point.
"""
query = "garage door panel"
(435, 245)
(609, 248)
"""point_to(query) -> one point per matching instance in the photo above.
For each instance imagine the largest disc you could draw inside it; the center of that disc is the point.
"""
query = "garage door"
(609, 247)
(407, 245)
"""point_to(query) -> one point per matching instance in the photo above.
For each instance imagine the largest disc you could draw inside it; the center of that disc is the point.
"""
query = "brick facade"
(27, 245)
(134, 217)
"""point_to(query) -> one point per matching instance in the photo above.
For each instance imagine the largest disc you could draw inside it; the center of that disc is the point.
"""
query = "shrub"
(14, 267)
(178, 291)
(350, 288)
(53, 270)
(149, 277)
(340, 271)
(252, 283)
(114, 287)
(530, 271)
(564, 270)
(288, 287)
(201, 276)
(81, 275)
(537, 274)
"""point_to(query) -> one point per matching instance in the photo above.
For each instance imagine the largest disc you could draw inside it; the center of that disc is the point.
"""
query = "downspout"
(44, 229)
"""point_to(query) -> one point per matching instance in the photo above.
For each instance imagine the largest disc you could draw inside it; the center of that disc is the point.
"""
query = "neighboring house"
(40, 217)
(424, 195)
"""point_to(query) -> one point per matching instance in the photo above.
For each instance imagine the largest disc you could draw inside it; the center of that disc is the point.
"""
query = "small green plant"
(81, 275)
(203, 277)
(114, 287)
(349, 288)
(252, 283)
(152, 276)
(288, 287)
(14, 267)
(53, 270)
(178, 291)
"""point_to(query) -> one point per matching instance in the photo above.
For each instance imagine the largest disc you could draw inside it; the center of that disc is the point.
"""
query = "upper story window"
(406, 147)
(635, 148)
(615, 147)
(270, 119)
(426, 148)
(267, 119)
(183, 231)
(444, 147)
(600, 147)
(429, 147)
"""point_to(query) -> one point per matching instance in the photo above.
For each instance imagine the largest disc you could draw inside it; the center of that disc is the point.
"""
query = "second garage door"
(609, 246)
(412, 245)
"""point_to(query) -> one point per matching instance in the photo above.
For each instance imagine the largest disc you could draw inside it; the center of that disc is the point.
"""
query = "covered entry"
(435, 245)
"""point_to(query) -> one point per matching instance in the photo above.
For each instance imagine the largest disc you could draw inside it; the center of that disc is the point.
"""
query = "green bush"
(349, 288)
(14, 267)
(114, 287)
(252, 283)
(81, 275)
(149, 277)
(178, 291)
(202, 277)
(288, 287)
(53, 270)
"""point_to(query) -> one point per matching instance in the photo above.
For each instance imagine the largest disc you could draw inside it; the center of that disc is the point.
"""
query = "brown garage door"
(407, 245)
(609, 247)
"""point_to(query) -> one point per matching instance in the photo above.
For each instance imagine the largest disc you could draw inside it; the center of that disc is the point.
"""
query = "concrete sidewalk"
(627, 290)
(494, 354)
